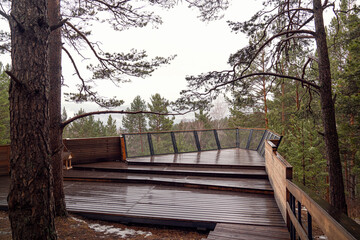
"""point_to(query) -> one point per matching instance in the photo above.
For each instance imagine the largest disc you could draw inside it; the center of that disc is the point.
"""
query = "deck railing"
(299, 209)
(172, 142)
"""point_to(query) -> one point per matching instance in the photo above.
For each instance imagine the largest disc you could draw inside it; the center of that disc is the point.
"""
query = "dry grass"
(75, 227)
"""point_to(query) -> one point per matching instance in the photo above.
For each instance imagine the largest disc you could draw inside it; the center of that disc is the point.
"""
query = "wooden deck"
(226, 191)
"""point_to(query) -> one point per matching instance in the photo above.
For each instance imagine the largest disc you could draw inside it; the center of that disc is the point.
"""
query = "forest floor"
(75, 227)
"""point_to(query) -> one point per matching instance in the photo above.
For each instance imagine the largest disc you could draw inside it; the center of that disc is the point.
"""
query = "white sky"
(199, 46)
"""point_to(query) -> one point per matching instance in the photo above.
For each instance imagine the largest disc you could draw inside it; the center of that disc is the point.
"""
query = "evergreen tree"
(135, 122)
(203, 120)
(4, 107)
(345, 59)
(302, 27)
(85, 127)
(159, 122)
(110, 127)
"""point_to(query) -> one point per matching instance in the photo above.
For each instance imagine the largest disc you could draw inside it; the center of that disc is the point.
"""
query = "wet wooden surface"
(234, 184)
(235, 157)
(167, 190)
(172, 203)
(224, 231)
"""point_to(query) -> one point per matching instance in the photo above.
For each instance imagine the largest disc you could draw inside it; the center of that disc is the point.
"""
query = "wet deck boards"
(225, 157)
(224, 231)
(147, 193)
(172, 204)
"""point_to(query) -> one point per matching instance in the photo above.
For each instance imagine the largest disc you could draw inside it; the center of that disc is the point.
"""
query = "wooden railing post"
(197, 141)
(237, 138)
(173, 139)
(217, 139)
(249, 139)
(125, 145)
(151, 147)
(123, 148)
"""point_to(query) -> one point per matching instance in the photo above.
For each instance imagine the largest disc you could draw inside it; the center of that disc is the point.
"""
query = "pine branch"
(291, 32)
(67, 122)
(58, 25)
(75, 67)
(261, 74)
(15, 79)
(5, 15)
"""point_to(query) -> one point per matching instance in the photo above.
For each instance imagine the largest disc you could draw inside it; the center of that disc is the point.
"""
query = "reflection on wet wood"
(227, 188)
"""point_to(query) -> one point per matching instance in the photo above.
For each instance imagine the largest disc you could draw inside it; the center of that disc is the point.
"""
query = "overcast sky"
(199, 46)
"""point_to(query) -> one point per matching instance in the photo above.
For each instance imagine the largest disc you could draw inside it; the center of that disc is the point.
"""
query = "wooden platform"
(228, 189)
(224, 231)
(234, 157)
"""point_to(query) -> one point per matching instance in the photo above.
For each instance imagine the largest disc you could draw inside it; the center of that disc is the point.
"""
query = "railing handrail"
(326, 220)
(196, 144)
(334, 225)
(198, 130)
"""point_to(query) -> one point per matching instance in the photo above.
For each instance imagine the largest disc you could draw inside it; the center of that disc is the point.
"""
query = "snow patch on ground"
(78, 220)
(123, 233)
(118, 231)
(321, 237)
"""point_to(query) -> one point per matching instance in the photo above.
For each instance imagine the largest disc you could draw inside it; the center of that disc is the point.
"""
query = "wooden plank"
(94, 149)
(278, 171)
(331, 228)
(242, 231)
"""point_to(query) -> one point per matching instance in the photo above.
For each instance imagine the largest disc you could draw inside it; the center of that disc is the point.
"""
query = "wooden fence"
(4, 159)
(87, 150)
(291, 199)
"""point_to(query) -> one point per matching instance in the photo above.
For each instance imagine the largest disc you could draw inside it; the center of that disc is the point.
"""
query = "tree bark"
(337, 194)
(55, 106)
(30, 200)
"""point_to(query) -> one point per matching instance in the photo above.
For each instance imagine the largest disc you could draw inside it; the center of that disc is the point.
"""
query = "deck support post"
(151, 147)
(261, 141)
(249, 139)
(197, 141)
(309, 226)
(217, 139)
(237, 138)
(173, 139)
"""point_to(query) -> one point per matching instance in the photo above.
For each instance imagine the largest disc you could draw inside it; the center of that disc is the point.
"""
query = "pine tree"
(345, 59)
(158, 123)
(135, 122)
(110, 127)
(85, 127)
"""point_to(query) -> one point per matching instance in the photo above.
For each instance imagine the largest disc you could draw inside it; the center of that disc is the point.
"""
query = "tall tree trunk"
(55, 106)
(30, 200)
(264, 92)
(337, 194)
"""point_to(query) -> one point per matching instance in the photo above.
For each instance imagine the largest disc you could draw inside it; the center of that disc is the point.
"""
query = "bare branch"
(312, 33)
(85, 38)
(262, 74)
(67, 122)
(19, 25)
(58, 25)
(5, 15)
(304, 68)
(15, 79)
(75, 67)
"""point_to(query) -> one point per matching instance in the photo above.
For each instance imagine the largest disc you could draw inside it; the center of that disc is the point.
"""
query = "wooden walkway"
(226, 191)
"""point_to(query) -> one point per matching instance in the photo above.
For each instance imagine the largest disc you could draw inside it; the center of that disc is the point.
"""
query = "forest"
(308, 92)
